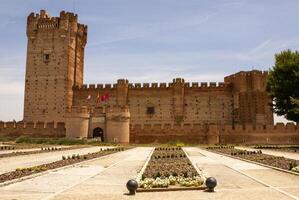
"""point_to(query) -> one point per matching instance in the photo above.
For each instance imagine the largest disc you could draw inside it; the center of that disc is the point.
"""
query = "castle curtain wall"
(214, 134)
(201, 103)
(161, 133)
(41, 129)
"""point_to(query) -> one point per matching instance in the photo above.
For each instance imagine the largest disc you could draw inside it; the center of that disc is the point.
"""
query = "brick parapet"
(145, 133)
(49, 129)
(200, 85)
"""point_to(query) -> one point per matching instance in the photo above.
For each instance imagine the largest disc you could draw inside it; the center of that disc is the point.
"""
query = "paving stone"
(12, 163)
(105, 178)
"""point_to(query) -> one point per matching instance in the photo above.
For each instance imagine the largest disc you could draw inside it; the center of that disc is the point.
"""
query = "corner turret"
(251, 103)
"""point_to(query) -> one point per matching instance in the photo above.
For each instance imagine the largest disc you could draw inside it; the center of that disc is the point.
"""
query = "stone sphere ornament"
(132, 186)
(211, 183)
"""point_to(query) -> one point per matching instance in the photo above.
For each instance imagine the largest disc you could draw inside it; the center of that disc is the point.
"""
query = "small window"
(150, 110)
(46, 57)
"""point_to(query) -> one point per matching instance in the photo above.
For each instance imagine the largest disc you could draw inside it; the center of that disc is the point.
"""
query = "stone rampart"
(227, 134)
(39, 129)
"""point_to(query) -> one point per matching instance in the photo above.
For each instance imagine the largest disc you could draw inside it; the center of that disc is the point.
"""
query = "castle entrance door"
(98, 133)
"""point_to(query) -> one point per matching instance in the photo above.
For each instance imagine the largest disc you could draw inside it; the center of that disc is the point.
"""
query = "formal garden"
(169, 167)
(258, 156)
(65, 161)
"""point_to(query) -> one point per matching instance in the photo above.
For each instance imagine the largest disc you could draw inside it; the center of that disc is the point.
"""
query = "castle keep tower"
(55, 56)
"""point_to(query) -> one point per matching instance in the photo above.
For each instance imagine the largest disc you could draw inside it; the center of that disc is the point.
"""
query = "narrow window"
(150, 110)
(46, 57)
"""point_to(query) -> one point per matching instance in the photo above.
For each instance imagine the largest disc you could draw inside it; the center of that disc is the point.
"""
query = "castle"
(57, 103)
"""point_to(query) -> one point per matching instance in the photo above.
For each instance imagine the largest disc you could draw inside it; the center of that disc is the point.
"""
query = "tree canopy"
(283, 85)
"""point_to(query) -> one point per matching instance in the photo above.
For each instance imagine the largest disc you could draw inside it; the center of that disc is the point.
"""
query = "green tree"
(283, 85)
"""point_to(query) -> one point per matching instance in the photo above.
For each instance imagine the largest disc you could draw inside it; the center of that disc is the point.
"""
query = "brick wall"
(39, 129)
(196, 133)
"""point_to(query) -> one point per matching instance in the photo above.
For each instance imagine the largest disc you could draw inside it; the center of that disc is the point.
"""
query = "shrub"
(24, 139)
(70, 141)
(34, 169)
(63, 157)
(176, 143)
(51, 141)
(5, 139)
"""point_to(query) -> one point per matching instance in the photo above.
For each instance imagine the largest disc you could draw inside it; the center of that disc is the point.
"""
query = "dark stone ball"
(132, 186)
(211, 183)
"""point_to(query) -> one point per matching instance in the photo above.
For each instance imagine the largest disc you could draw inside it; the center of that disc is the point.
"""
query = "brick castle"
(57, 103)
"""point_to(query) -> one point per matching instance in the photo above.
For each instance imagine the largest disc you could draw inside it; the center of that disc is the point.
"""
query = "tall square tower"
(55, 61)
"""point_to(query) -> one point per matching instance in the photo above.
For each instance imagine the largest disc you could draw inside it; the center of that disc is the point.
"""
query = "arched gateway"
(98, 132)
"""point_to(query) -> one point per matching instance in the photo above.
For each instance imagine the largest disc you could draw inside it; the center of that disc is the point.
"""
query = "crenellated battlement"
(248, 73)
(65, 21)
(224, 129)
(122, 81)
(82, 32)
(94, 87)
(178, 80)
(199, 133)
(69, 16)
(49, 129)
(245, 81)
(249, 128)
(203, 85)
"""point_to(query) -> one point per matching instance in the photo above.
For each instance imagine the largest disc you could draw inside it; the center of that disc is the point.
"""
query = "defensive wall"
(226, 134)
(192, 102)
(39, 129)
(187, 133)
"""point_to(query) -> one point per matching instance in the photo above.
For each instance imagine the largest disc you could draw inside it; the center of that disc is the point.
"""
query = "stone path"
(28, 150)
(12, 163)
(18, 150)
(105, 178)
(251, 181)
(102, 176)
(290, 155)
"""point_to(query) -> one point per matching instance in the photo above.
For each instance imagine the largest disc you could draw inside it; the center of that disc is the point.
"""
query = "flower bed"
(7, 147)
(258, 156)
(170, 168)
(22, 172)
(287, 148)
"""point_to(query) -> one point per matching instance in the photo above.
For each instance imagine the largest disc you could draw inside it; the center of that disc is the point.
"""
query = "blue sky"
(154, 40)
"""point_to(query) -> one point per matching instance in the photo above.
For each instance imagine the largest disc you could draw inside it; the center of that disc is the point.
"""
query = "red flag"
(105, 96)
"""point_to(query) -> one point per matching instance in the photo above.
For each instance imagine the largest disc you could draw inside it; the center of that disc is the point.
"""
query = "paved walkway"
(12, 163)
(100, 177)
(247, 180)
(18, 150)
(105, 178)
(285, 154)
(29, 149)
